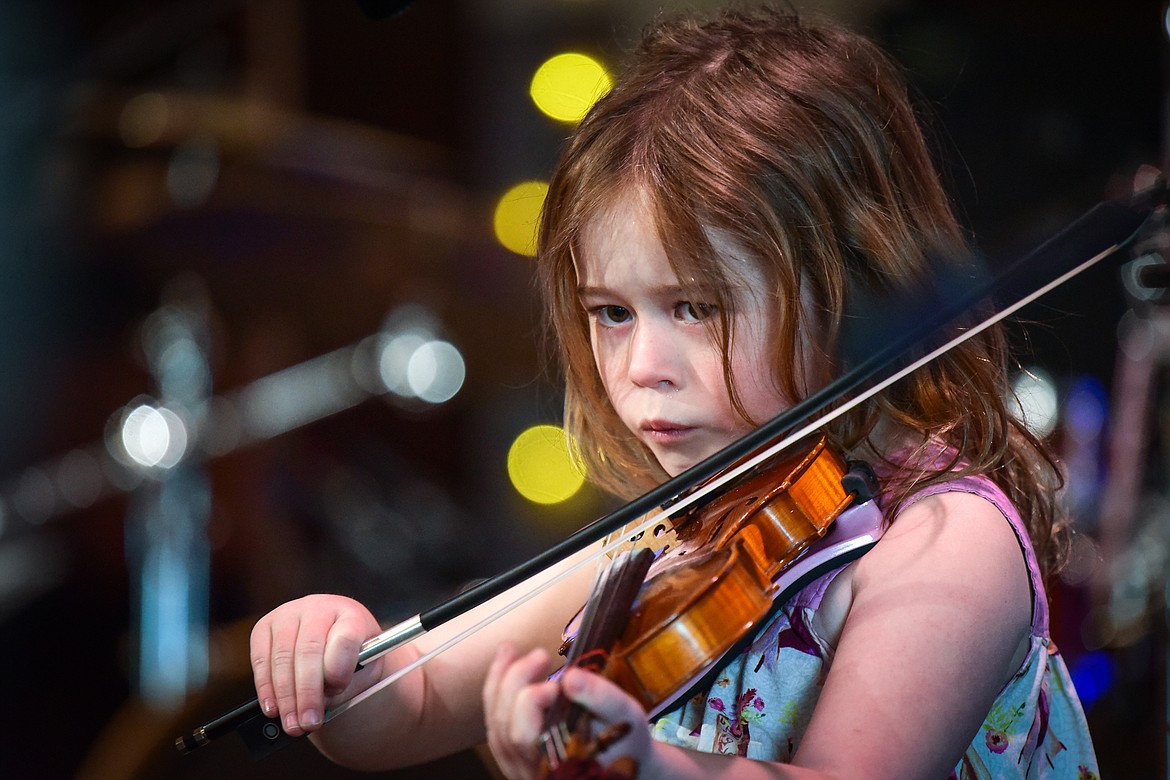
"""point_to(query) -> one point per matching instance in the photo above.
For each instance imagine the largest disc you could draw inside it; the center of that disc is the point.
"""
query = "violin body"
(716, 576)
(687, 618)
(708, 592)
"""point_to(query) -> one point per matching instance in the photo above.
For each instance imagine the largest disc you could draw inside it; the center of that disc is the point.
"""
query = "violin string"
(719, 481)
(553, 751)
(560, 742)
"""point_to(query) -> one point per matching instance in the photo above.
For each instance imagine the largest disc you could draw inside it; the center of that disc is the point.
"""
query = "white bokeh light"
(154, 436)
(394, 362)
(414, 365)
(1035, 401)
(435, 372)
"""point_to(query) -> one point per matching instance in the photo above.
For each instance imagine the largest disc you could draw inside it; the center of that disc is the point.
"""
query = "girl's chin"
(674, 465)
(671, 466)
(675, 462)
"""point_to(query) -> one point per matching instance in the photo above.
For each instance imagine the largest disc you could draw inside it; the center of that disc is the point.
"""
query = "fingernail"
(290, 723)
(311, 719)
(269, 706)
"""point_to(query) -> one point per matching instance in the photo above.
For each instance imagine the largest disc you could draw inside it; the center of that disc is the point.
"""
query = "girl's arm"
(304, 654)
(937, 622)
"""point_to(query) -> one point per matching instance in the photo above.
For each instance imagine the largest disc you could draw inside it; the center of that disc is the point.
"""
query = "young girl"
(703, 238)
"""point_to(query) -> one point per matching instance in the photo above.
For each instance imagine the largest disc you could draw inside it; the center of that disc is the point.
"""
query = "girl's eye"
(695, 312)
(612, 315)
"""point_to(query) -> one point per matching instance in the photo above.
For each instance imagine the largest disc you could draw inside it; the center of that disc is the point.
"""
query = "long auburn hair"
(801, 144)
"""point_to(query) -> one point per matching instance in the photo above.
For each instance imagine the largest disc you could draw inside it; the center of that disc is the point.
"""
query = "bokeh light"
(193, 172)
(154, 436)
(394, 361)
(1093, 675)
(542, 467)
(143, 120)
(1035, 403)
(35, 498)
(1083, 425)
(413, 363)
(518, 215)
(566, 86)
(79, 478)
(435, 371)
(1086, 410)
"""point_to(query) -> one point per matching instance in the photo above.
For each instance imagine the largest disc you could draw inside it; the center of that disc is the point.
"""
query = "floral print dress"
(759, 705)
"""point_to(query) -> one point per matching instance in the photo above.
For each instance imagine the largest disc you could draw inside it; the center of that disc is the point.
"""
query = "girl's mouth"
(664, 432)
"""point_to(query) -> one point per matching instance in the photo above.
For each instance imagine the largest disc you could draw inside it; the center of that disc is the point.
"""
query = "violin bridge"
(661, 537)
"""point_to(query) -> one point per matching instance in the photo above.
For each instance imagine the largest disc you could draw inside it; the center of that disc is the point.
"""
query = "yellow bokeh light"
(541, 466)
(517, 216)
(566, 86)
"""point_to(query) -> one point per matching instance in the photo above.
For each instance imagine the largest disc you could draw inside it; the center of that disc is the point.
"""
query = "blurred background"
(268, 327)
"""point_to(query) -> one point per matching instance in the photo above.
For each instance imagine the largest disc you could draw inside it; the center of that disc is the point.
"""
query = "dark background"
(357, 161)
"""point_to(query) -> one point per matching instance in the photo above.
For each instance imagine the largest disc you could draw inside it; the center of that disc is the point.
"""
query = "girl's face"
(661, 368)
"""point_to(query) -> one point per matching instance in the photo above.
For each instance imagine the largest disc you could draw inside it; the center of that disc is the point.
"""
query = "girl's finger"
(313, 635)
(282, 657)
(604, 699)
(342, 646)
(260, 649)
(512, 676)
(516, 696)
(609, 705)
(505, 654)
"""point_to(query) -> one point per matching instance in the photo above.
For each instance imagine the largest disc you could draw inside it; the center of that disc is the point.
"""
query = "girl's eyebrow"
(589, 291)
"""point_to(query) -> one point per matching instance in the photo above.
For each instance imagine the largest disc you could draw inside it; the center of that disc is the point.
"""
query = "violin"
(1099, 233)
(715, 579)
(707, 592)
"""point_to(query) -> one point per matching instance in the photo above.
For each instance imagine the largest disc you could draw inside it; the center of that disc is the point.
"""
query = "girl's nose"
(653, 358)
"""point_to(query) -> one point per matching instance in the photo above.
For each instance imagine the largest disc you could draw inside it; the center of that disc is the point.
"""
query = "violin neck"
(566, 730)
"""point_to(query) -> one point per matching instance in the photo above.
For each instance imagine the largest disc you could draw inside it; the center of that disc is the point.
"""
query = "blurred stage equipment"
(166, 528)
(155, 447)
(408, 361)
(1130, 585)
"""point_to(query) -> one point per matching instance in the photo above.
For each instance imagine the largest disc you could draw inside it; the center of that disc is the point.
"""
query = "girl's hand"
(304, 654)
(517, 694)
